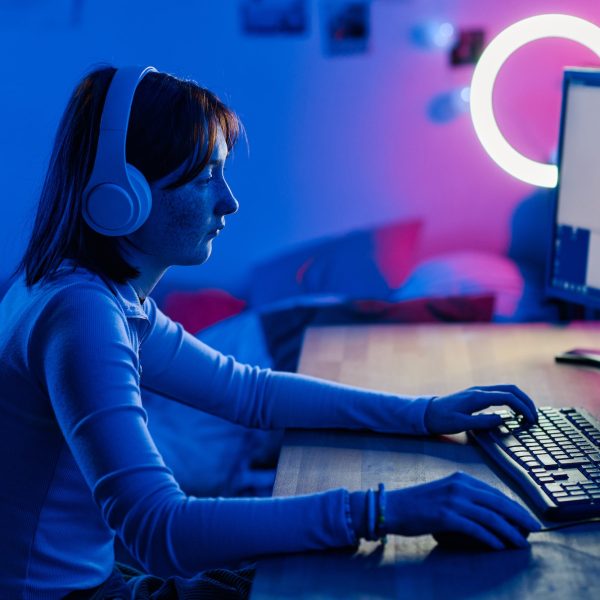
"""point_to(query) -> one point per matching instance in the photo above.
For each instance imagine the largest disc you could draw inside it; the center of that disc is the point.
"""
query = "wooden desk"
(436, 359)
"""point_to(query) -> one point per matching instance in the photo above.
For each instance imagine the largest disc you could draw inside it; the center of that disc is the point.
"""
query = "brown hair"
(172, 121)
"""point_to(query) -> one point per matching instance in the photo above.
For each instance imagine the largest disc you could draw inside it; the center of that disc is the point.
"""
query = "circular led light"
(482, 88)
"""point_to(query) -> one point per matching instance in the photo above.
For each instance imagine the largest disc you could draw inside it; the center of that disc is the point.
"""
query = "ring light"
(482, 88)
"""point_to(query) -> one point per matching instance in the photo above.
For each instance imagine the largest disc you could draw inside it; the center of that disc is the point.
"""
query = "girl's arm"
(82, 353)
(177, 365)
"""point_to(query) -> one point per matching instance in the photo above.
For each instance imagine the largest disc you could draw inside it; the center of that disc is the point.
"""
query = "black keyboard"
(556, 461)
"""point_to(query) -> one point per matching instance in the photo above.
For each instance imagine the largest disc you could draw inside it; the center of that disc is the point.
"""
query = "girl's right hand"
(459, 504)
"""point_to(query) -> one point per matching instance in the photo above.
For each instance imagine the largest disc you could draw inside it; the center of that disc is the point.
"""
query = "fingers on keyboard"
(528, 403)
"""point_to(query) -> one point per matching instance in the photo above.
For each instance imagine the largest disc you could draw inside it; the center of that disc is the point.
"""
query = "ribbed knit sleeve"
(86, 361)
(178, 365)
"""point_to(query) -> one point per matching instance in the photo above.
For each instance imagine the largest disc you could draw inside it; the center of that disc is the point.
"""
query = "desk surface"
(432, 359)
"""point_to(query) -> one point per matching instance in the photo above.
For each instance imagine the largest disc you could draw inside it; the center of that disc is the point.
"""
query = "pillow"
(467, 273)
(241, 336)
(200, 309)
(368, 263)
(363, 264)
(284, 323)
(445, 309)
(210, 456)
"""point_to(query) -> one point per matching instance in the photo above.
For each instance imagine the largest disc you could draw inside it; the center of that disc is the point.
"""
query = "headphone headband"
(117, 198)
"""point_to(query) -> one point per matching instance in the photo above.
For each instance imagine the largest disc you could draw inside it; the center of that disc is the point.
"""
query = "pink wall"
(391, 160)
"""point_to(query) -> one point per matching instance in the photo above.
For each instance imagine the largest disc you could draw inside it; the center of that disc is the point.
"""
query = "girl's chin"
(204, 255)
(201, 255)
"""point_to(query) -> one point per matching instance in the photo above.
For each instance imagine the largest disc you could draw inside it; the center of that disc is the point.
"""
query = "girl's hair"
(172, 120)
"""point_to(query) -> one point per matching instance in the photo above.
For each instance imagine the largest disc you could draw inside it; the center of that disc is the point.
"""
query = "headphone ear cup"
(107, 207)
(144, 197)
(113, 210)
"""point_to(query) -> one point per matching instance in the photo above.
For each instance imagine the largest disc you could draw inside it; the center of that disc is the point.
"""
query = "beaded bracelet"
(381, 502)
(371, 515)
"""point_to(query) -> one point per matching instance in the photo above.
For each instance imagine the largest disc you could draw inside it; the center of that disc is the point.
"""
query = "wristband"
(371, 515)
(381, 502)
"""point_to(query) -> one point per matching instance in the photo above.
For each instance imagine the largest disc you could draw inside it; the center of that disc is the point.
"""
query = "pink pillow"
(452, 309)
(466, 272)
(198, 310)
(367, 263)
(364, 263)
(394, 250)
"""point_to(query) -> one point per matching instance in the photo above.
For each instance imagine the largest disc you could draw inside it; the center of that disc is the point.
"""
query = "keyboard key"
(511, 442)
(553, 487)
(546, 459)
(571, 499)
(570, 462)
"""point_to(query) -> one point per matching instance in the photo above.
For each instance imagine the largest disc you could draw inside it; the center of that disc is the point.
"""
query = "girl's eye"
(209, 179)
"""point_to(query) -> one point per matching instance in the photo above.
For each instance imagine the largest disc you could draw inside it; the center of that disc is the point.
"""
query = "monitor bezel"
(586, 76)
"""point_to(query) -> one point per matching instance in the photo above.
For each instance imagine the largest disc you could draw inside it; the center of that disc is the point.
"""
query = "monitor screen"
(574, 265)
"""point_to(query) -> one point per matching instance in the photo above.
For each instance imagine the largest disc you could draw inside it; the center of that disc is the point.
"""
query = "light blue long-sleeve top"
(79, 465)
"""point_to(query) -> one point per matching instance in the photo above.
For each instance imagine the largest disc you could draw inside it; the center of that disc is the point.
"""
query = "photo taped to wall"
(268, 17)
(346, 26)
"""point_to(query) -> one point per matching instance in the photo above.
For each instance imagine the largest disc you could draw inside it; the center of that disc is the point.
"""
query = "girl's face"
(183, 222)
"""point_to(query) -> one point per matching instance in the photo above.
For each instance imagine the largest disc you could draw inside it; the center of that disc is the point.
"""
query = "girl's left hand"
(453, 413)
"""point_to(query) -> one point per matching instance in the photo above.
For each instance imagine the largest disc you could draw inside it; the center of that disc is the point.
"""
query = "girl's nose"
(227, 203)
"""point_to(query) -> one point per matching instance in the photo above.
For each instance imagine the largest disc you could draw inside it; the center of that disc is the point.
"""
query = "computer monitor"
(573, 272)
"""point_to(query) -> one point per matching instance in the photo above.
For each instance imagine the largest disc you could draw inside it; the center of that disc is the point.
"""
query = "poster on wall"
(268, 17)
(468, 47)
(345, 26)
(40, 13)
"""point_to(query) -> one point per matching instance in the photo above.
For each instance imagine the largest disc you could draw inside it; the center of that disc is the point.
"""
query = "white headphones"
(117, 198)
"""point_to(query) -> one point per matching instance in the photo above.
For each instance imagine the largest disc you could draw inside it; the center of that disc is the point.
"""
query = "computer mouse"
(460, 541)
